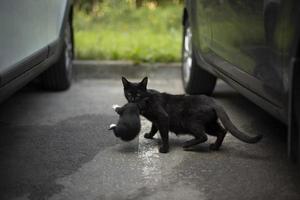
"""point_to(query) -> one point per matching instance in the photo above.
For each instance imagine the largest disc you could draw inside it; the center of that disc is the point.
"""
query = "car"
(251, 45)
(36, 43)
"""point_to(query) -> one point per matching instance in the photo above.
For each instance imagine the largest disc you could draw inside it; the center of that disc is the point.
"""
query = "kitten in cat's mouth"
(129, 124)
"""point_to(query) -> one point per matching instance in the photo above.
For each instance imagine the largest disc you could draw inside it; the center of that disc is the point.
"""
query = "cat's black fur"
(129, 124)
(196, 115)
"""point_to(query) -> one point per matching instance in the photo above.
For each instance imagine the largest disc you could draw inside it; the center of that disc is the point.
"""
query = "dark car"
(253, 45)
(36, 40)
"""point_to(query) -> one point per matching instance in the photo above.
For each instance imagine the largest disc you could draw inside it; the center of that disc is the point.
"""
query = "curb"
(85, 69)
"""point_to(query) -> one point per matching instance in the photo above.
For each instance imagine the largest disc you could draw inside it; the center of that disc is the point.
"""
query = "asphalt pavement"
(55, 145)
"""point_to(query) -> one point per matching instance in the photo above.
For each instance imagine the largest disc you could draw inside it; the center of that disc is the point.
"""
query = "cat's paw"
(112, 126)
(148, 136)
(115, 106)
(163, 149)
(214, 147)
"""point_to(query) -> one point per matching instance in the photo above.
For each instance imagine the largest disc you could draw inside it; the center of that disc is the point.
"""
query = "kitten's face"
(135, 91)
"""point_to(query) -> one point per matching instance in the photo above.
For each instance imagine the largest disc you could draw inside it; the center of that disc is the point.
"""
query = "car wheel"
(59, 76)
(294, 115)
(195, 79)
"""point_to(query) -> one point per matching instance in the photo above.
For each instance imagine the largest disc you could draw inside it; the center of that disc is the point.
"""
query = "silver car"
(36, 40)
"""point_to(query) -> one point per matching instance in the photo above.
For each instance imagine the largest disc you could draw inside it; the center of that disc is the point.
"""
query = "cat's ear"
(144, 82)
(125, 82)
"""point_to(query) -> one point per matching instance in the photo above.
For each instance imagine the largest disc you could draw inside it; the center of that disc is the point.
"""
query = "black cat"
(182, 114)
(129, 124)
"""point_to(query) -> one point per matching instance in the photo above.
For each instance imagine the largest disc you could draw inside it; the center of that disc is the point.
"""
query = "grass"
(125, 33)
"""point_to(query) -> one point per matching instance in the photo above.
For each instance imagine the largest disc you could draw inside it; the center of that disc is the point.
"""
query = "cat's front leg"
(152, 132)
(163, 127)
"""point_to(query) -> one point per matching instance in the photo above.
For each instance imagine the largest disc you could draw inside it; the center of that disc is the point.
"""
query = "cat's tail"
(233, 129)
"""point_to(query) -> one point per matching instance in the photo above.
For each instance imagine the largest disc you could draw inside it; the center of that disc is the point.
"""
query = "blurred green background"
(137, 30)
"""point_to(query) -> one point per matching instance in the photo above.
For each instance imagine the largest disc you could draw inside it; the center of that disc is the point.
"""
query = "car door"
(243, 45)
(201, 26)
(28, 27)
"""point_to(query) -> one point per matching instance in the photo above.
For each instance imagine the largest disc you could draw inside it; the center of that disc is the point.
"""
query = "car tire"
(58, 77)
(195, 79)
(294, 114)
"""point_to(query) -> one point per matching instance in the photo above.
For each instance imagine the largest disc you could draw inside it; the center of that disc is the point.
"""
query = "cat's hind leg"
(197, 130)
(217, 130)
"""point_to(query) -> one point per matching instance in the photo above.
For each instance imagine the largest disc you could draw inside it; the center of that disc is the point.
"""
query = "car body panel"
(18, 82)
(27, 29)
(251, 46)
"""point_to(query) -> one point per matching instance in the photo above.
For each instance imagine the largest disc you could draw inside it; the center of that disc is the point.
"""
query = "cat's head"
(135, 92)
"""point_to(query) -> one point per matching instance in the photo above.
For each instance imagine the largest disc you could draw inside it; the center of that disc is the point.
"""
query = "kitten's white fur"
(115, 106)
(112, 125)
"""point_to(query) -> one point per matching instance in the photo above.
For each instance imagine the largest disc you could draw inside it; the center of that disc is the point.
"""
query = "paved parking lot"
(57, 146)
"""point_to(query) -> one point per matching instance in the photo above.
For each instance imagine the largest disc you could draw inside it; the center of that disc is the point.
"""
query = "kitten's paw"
(115, 106)
(112, 126)
(148, 136)
(214, 147)
(163, 149)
